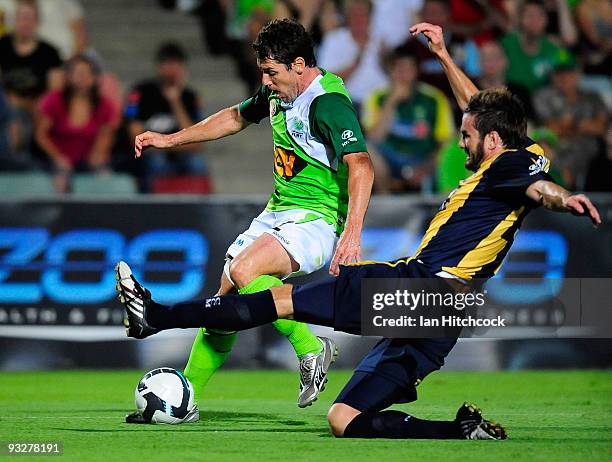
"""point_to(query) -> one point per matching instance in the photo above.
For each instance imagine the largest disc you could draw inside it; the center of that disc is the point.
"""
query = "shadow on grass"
(209, 423)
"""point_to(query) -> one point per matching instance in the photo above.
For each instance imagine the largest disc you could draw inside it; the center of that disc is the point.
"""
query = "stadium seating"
(182, 184)
(18, 183)
(103, 184)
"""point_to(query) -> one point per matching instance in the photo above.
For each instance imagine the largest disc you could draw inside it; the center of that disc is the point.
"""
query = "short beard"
(473, 162)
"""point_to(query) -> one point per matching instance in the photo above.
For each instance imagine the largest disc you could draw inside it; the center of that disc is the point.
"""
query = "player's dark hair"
(496, 109)
(170, 51)
(284, 40)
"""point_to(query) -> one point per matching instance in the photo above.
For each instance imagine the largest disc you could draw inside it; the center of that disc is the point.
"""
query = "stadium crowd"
(62, 111)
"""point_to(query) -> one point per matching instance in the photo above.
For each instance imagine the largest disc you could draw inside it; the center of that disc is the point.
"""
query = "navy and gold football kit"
(468, 238)
(475, 227)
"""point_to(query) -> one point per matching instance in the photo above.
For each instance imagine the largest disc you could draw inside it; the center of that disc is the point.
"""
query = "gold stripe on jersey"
(374, 262)
(486, 251)
(455, 201)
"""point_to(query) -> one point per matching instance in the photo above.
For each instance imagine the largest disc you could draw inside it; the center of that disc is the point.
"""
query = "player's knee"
(339, 416)
(241, 272)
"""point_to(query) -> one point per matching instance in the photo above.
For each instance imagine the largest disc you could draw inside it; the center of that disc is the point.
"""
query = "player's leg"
(267, 256)
(388, 375)
(302, 242)
(210, 349)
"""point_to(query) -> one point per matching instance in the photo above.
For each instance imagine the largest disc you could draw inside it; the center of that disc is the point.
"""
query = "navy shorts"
(390, 372)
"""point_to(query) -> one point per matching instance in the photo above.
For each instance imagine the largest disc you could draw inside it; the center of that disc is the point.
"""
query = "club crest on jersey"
(297, 128)
(273, 107)
(539, 165)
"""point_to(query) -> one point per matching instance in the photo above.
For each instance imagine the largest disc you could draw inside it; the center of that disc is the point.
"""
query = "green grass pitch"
(251, 415)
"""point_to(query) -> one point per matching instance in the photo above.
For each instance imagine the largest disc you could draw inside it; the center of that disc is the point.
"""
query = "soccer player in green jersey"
(322, 183)
(465, 243)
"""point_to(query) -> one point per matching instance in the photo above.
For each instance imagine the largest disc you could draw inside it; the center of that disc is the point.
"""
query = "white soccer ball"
(164, 395)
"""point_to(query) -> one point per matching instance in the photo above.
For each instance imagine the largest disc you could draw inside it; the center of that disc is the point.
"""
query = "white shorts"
(310, 243)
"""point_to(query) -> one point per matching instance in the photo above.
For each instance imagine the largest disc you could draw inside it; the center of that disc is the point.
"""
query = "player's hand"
(581, 205)
(434, 34)
(348, 249)
(157, 140)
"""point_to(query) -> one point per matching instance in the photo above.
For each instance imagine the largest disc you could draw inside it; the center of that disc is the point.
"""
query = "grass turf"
(252, 416)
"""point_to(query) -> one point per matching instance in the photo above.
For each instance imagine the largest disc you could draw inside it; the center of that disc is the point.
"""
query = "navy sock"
(227, 312)
(397, 424)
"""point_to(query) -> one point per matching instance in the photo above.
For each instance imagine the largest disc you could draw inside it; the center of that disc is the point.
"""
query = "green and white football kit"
(305, 213)
(311, 136)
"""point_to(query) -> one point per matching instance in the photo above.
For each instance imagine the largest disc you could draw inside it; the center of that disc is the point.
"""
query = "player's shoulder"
(529, 156)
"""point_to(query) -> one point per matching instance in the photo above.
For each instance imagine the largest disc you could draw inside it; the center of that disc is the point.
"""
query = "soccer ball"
(164, 395)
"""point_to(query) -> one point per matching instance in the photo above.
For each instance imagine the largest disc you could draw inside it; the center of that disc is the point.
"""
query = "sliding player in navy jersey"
(467, 239)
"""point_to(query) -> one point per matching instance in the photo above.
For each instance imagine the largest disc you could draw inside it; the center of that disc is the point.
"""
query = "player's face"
(471, 143)
(279, 79)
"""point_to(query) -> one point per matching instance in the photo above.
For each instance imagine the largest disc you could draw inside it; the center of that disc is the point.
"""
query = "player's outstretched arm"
(463, 87)
(554, 197)
(225, 122)
(360, 179)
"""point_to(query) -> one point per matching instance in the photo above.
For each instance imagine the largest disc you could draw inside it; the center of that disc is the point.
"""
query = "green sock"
(208, 352)
(297, 333)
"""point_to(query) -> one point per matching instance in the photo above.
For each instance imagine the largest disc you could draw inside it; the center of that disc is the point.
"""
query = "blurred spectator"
(576, 116)
(600, 170)
(464, 51)
(27, 63)
(450, 166)
(353, 54)
(165, 105)
(6, 151)
(406, 125)
(75, 126)
(481, 20)
(317, 16)
(530, 53)
(561, 25)
(61, 24)
(493, 66)
(29, 66)
(594, 18)
(391, 20)
(549, 142)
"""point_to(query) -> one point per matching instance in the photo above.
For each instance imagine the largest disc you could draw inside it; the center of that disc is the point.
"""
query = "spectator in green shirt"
(406, 124)
(530, 52)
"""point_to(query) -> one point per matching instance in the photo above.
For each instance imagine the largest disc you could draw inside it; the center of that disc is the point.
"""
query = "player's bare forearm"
(554, 197)
(361, 177)
(224, 123)
(463, 88)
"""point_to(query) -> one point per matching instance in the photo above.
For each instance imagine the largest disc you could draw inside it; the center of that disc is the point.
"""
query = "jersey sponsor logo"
(347, 134)
(539, 165)
(287, 164)
(298, 135)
